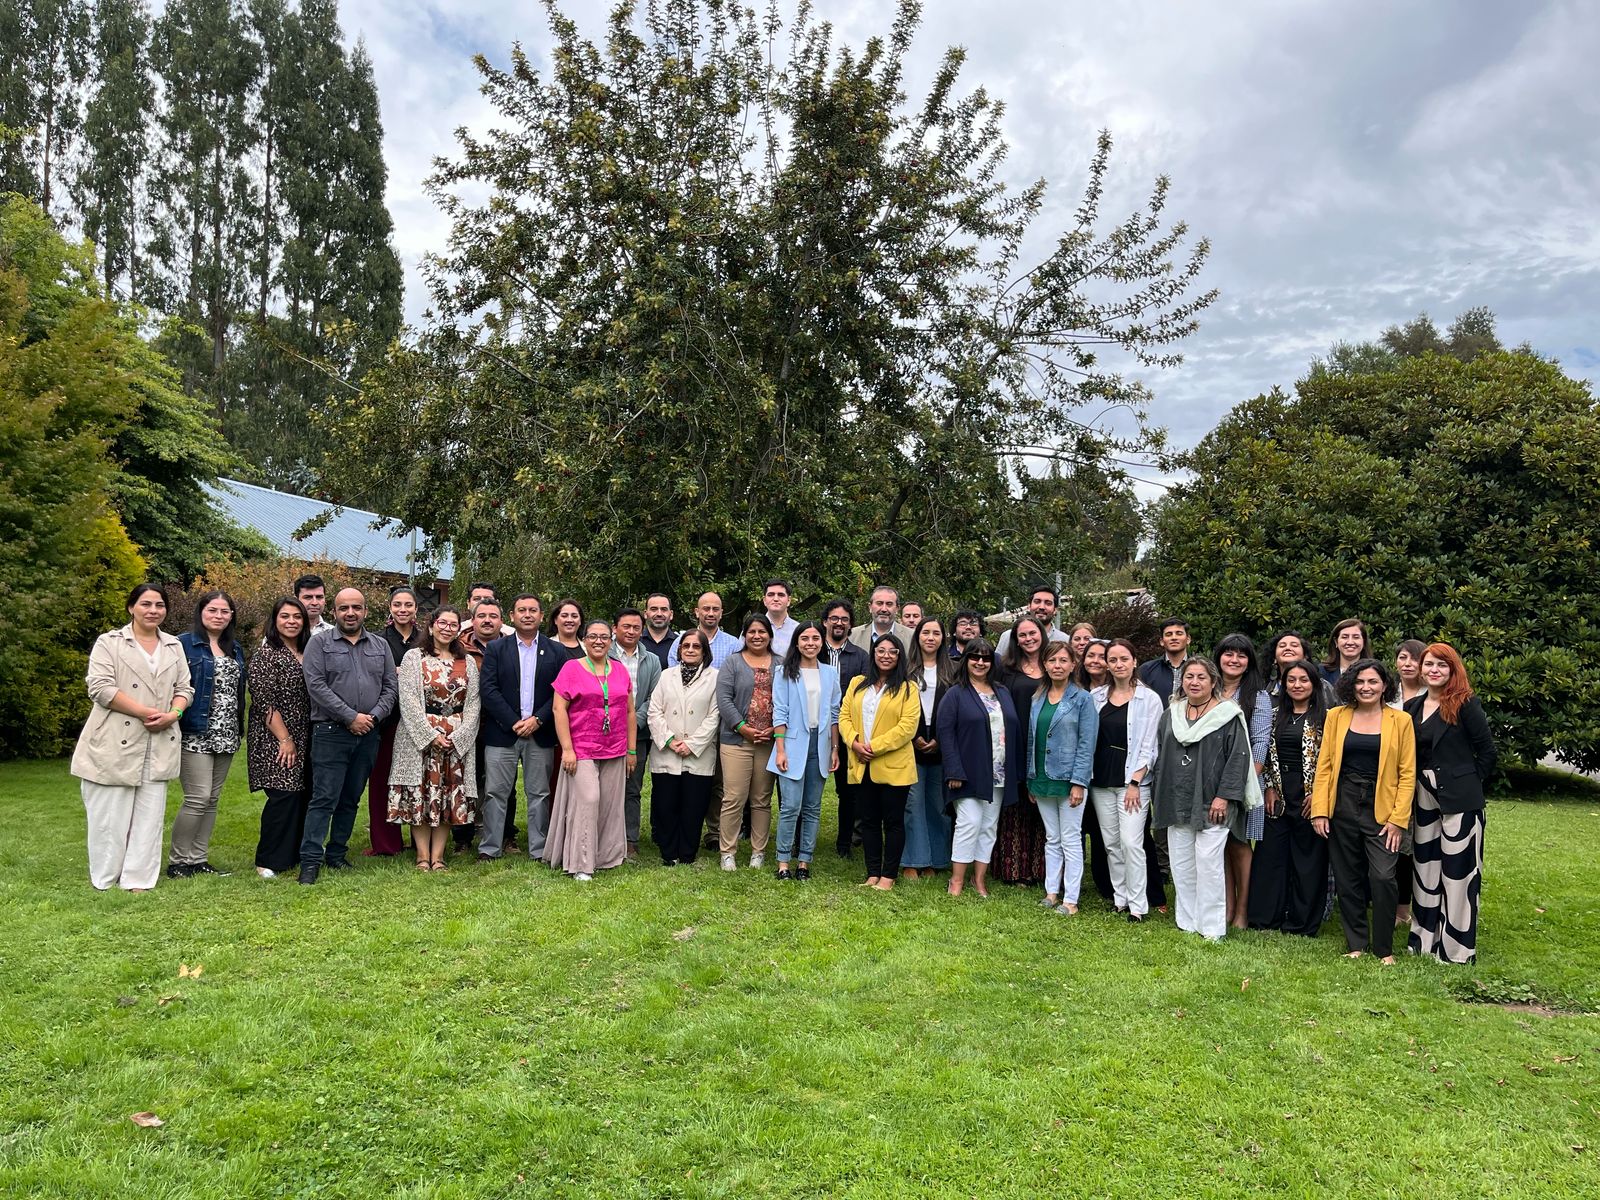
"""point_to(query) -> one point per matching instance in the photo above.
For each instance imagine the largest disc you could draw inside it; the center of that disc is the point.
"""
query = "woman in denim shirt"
(212, 728)
(1061, 735)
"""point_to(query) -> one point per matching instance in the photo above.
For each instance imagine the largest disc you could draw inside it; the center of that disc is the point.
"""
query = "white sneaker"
(266, 873)
(728, 864)
(757, 861)
(583, 877)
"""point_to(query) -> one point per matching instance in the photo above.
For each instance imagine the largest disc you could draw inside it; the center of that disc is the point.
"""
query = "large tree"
(703, 316)
(1437, 498)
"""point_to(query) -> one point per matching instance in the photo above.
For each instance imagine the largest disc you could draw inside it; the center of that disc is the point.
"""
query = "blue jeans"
(928, 826)
(340, 764)
(800, 801)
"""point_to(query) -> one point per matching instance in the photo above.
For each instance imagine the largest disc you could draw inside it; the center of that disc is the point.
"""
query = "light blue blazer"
(789, 700)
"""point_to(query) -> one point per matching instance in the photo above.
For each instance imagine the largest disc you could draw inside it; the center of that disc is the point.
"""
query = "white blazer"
(1144, 715)
(688, 713)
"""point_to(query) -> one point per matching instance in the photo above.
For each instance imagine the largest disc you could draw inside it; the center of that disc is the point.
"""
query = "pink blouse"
(587, 703)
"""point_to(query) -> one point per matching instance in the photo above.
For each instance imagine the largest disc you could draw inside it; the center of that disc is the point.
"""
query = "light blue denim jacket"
(1069, 742)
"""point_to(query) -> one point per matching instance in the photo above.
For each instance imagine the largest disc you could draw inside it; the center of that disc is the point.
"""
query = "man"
(884, 604)
(911, 614)
(644, 669)
(350, 678)
(1043, 602)
(849, 660)
(311, 592)
(1160, 675)
(485, 624)
(658, 631)
(708, 615)
(517, 690)
(477, 594)
(775, 595)
(965, 626)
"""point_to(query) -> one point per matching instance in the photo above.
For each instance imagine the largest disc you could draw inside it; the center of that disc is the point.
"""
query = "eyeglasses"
(446, 625)
(983, 658)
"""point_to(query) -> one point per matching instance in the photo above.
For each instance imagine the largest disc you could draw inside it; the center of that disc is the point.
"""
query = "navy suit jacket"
(500, 690)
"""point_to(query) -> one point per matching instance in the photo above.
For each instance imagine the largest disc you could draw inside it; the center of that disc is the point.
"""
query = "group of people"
(1240, 777)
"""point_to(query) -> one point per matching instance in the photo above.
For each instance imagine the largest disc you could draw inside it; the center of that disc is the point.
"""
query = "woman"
(1079, 637)
(433, 781)
(805, 729)
(212, 728)
(744, 700)
(566, 618)
(593, 710)
(278, 737)
(927, 849)
(683, 722)
(1091, 669)
(1018, 855)
(403, 635)
(1129, 714)
(1062, 724)
(1408, 672)
(1289, 873)
(139, 681)
(1201, 789)
(1347, 645)
(877, 722)
(1361, 802)
(981, 755)
(1455, 756)
(1235, 656)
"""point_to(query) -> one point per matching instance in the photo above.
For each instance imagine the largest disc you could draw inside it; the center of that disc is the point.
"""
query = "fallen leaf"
(684, 934)
(146, 1120)
(1537, 909)
(126, 1001)
(1245, 984)
(187, 972)
(1565, 1058)
(1288, 1116)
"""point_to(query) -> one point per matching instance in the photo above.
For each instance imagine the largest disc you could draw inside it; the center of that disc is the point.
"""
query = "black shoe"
(488, 858)
(783, 873)
(843, 851)
(338, 864)
(1135, 919)
(802, 873)
(179, 870)
(206, 868)
(309, 873)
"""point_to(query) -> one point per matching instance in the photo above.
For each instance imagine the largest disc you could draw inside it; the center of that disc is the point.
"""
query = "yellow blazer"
(1397, 765)
(893, 759)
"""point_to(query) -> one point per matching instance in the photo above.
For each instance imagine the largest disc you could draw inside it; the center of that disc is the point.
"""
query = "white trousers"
(977, 822)
(1198, 879)
(1063, 847)
(1123, 832)
(125, 826)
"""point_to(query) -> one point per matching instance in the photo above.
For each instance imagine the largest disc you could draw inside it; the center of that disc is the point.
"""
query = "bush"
(256, 585)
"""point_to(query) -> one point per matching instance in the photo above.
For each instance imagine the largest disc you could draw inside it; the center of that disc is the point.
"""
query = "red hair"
(1459, 690)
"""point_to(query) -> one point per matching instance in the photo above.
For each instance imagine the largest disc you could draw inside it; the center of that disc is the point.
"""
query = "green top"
(1040, 784)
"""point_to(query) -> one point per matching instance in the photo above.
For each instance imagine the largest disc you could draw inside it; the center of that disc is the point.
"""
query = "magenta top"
(587, 702)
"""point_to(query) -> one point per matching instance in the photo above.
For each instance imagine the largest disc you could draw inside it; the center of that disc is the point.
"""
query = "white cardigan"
(1144, 715)
(415, 732)
(688, 713)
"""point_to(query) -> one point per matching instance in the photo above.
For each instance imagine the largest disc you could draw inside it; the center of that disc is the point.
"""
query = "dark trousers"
(849, 815)
(1404, 874)
(341, 762)
(678, 806)
(1099, 868)
(385, 837)
(1289, 874)
(882, 807)
(283, 821)
(1363, 870)
(461, 835)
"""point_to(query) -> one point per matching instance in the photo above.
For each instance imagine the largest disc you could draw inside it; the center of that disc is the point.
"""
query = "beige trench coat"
(415, 733)
(111, 749)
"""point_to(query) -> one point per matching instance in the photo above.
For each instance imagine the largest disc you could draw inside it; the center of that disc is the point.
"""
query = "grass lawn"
(502, 1031)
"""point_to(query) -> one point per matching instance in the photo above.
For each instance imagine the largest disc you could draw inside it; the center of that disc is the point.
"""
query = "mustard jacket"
(1397, 765)
(893, 759)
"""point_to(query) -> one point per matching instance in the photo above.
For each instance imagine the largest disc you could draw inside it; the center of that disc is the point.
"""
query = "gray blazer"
(736, 683)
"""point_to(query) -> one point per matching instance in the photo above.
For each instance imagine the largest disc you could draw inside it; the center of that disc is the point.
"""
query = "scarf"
(1186, 733)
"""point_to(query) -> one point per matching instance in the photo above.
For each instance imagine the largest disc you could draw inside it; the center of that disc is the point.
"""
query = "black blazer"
(1462, 755)
(500, 690)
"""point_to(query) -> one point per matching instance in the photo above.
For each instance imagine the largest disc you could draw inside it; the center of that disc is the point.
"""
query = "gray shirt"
(1185, 779)
(345, 679)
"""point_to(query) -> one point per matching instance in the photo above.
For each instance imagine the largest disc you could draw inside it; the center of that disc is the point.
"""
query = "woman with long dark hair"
(1235, 657)
(213, 727)
(1124, 752)
(928, 829)
(1347, 645)
(805, 729)
(278, 737)
(566, 619)
(1062, 723)
(1018, 855)
(744, 698)
(1455, 756)
(981, 753)
(877, 721)
(1289, 873)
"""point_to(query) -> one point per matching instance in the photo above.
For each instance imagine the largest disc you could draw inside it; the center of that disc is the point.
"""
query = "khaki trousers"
(745, 777)
(202, 777)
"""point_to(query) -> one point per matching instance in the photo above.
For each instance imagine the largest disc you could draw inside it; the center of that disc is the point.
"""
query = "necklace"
(605, 692)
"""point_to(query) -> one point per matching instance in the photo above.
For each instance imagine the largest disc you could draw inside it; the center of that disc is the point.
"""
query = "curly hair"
(1345, 688)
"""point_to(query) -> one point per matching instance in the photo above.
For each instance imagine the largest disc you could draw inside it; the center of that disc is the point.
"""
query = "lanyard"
(605, 692)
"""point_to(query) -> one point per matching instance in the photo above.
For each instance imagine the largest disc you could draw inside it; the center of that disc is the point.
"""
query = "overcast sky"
(1352, 163)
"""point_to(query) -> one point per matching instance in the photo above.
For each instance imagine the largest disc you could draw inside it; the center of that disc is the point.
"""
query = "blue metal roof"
(352, 536)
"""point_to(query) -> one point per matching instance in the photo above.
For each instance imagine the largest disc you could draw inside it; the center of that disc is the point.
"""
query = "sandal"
(438, 865)
(424, 865)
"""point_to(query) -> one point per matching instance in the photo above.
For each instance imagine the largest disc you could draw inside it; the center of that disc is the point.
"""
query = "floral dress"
(442, 799)
(759, 712)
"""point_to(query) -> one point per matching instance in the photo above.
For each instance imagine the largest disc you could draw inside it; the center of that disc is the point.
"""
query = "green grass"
(502, 1031)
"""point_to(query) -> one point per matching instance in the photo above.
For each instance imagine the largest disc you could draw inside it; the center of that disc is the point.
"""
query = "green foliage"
(1438, 499)
(43, 62)
(1472, 333)
(704, 316)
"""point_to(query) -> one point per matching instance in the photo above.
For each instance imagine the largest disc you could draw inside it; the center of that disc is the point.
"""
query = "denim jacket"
(202, 675)
(1069, 742)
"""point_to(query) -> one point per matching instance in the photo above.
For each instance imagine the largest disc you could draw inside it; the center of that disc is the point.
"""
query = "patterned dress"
(221, 734)
(278, 684)
(442, 799)
(1018, 855)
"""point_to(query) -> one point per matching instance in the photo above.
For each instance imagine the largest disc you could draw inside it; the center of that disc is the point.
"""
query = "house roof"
(352, 536)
